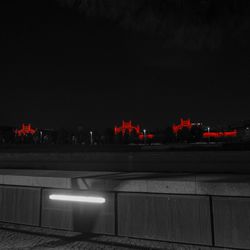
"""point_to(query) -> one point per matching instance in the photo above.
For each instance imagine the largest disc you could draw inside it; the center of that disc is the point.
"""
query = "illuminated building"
(149, 136)
(129, 128)
(220, 134)
(25, 130)
(184, 124)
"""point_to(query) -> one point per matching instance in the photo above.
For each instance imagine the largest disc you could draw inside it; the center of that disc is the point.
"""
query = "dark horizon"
(61, 69)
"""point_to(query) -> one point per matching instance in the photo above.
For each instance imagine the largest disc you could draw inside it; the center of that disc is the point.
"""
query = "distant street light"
(91, 137)
(145, 135)
(208, 130)
(41, 136)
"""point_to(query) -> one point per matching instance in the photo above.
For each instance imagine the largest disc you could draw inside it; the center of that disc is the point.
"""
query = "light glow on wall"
(77, 198)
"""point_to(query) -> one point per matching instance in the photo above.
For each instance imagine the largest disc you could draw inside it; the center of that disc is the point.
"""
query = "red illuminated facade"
(184, 124)
(148, 136)
(129, 128)
(25, 130)
(220, 134)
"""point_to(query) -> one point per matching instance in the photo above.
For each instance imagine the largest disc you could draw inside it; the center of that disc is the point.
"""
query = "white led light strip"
(76, 198)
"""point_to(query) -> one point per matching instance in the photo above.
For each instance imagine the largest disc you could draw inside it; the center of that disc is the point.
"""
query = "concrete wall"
(178, 218)
(20, 205)
(232, 222)
(208, 220)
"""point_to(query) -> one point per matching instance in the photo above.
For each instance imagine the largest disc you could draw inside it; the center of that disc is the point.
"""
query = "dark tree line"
(81, 135)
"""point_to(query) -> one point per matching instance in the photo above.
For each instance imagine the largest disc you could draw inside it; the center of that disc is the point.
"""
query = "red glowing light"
(25, 130)
(184, 124)
(127, 127)
(148, 136)
(220, 134)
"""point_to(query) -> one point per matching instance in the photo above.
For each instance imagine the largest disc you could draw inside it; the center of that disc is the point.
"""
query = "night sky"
(60, 68)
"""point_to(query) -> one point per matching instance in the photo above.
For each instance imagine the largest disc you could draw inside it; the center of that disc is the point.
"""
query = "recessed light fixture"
(77, 198)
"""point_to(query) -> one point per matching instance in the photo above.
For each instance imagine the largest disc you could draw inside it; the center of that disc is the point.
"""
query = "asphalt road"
(169, 161)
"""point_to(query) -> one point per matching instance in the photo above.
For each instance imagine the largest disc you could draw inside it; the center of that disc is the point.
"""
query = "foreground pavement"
(26, 237)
